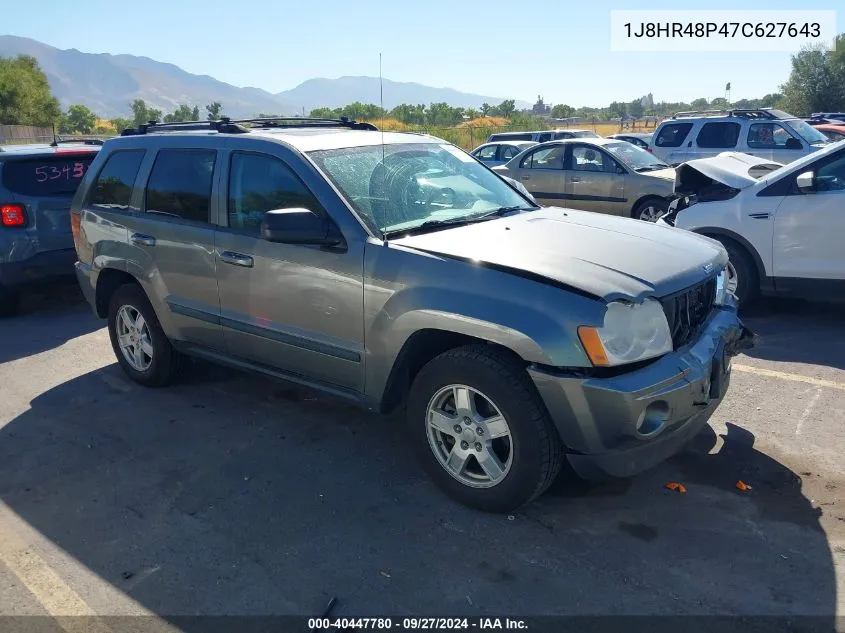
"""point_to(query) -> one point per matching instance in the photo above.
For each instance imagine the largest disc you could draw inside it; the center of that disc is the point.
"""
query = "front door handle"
(575, 179)
(140, 239)
(525, 177)
(236, 259)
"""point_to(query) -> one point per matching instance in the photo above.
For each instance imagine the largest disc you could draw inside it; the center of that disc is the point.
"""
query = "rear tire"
(650, 210)
(149, 359)
(525, 461)
(747, 279)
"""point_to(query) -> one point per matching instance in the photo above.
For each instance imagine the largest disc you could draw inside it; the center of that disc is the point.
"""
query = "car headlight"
(630, 332)
(721, 287)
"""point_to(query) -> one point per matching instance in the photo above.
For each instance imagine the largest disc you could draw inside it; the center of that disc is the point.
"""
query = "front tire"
(482, 431)
(742, 273)
(140, 345)
(651, 210)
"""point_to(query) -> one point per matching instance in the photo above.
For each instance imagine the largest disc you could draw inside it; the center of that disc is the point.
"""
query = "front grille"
(687, 310)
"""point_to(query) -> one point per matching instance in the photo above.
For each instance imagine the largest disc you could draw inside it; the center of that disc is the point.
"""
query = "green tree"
(78, 118)
(195, 114)
(563, 111)
(182, 113)
(25, 97)
(618, 109)
(635, 108)
(485, 109)
(214, 110)
(325, 113)
(700, 104)
(817, 80)
(121, 123)
(506, 108)
(143, 114)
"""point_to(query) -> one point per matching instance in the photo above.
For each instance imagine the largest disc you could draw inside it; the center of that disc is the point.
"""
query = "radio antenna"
(381, 127)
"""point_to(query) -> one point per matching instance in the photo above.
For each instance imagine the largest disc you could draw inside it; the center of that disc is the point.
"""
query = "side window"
(590, 159)
(768, 136)
(548, 158)
(833, 136)
(487, 153)
(720, 135)
(113, 187)
(180, 184)
(509, 151)
(831, 175)
(259, 183)
(672, 134)
(542, 138)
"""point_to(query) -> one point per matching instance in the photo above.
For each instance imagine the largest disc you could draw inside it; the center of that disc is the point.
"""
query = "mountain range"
(107, 84)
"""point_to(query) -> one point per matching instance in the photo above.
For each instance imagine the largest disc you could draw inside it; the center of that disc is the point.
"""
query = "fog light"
(653, 418)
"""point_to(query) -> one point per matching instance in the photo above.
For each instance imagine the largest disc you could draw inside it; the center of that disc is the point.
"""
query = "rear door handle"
(236, 259)
(140, 239)
(575, 179)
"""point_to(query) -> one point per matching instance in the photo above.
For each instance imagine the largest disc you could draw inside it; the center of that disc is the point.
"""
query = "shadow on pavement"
(232, 495)
(798, 332)
(46, 320)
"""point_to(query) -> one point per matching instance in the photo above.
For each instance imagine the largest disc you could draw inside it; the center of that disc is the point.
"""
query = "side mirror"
(793, 143)
(299, 226)
(806, 182)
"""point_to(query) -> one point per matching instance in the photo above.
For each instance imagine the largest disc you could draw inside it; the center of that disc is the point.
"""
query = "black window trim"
(223, 214)
(89, 194)
(177, 218)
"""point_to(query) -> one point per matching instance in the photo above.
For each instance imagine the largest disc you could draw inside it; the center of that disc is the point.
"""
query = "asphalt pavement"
(229, 494)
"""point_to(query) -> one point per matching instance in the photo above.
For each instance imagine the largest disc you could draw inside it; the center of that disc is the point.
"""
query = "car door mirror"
(299, 226)
(793, 143)
(806, 182)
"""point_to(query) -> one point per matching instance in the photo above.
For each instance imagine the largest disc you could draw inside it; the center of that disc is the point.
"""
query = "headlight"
(721, 287)
(630, 332)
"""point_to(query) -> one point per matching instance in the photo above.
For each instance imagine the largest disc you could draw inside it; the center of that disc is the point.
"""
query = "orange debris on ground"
(741, 485)
(673, 485)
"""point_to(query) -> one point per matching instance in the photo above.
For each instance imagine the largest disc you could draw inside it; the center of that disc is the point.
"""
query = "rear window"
(511, 137)
(672, 135)
(721, 135)
(46, 176)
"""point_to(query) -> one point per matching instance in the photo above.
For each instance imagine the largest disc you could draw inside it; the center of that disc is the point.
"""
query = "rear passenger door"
(294, 307)
(671, 142)
(173, 241)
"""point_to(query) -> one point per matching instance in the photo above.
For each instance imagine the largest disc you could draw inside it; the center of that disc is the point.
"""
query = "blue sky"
(503, 49)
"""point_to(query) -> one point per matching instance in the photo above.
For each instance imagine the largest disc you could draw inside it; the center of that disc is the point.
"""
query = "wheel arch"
(648, 196)
(715, 232)
(109, 280)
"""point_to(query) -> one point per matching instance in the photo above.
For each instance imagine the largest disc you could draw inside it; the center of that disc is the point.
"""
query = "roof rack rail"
(83, 141)
(749, 113)
(226, 125)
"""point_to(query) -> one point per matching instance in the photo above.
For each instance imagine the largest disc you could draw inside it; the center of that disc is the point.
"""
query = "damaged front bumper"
(622, 425)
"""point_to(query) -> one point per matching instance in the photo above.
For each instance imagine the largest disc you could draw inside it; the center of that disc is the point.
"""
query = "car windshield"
(635, 157)
(398, 187)
(807, 132)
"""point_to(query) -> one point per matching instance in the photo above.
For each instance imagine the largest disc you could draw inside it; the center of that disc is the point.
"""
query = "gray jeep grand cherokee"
(394, 269)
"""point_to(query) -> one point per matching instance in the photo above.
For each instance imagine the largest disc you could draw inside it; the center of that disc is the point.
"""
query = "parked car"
(640, 139)
(781, 225)
(835, 116)
(396, 270)
(37, 183)
(767, 133)
(541, 136)
(492, 154)
(834, 132)
(595, 174)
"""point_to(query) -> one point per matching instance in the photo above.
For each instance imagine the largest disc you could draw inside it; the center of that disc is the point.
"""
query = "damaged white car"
(783, 226)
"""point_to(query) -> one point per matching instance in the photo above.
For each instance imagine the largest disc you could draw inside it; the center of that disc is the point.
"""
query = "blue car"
(37, 184)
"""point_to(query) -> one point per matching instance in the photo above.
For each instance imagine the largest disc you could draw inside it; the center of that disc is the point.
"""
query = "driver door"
(593, 182)
(294, 307)
(808, 232)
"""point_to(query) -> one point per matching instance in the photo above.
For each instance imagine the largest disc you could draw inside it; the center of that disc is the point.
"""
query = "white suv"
(781, 225)
(767, 133)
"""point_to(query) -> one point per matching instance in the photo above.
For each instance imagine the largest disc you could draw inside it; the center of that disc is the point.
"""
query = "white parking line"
(818, 382)
(56, 597)
(806, 413)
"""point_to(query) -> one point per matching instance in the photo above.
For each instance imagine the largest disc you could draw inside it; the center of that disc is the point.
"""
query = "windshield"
(807, 131)
(398, 187)
(635, 157)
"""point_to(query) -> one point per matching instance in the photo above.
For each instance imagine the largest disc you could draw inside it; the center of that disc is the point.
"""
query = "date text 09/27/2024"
(418, 624)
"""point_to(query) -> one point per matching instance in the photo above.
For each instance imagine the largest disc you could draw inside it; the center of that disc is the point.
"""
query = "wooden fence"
(13, 134)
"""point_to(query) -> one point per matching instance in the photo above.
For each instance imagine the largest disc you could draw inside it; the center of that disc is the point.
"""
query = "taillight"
(75, 221)
(12, 215)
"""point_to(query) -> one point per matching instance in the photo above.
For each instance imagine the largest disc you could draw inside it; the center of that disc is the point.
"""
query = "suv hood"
(731, 169)
(602, 255)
